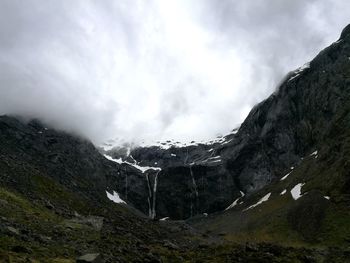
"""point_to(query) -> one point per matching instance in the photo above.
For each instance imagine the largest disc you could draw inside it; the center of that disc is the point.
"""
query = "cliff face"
(294, 120)
(290, 124)
(69, 160)
(54, 206)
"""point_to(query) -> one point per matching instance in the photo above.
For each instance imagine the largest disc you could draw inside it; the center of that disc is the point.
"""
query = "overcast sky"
(155, 69)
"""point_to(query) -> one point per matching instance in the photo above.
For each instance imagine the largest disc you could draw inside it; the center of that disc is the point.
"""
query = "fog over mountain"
(158, 69)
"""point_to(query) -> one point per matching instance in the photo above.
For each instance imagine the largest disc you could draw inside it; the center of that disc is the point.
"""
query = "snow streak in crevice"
(194, 191)
(149, 195)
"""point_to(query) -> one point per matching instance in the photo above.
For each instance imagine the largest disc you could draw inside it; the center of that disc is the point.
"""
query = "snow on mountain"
(139, 167)
(263, 199)
(115, 197)
(296, 191)
(120, 143)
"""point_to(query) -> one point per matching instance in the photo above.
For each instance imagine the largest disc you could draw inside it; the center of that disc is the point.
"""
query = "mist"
(155, 70)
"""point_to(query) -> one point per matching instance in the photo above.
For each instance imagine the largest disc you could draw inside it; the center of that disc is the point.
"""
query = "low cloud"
(157, 70)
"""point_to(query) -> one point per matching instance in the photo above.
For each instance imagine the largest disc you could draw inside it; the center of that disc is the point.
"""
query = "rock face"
(277, 133)
(181, 182)
(90, 258)
(193, 180)
(72, 161)
(54, 206)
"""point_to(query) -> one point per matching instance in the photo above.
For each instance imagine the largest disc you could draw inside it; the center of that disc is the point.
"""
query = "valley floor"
(37, 231)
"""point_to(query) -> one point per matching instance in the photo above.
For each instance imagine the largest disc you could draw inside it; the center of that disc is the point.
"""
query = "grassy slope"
(39, 223)
(41, 220)
(312, 220)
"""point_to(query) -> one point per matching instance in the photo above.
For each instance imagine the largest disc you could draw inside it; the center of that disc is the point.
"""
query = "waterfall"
(153, 214)
(126, 185)
(149, 196)
(152, 195)
(194, 184)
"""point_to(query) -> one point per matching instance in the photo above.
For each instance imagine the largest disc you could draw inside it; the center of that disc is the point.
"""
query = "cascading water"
(153, 214)
(126, 185)
(152, 194)
(149, 195)
(195, 189)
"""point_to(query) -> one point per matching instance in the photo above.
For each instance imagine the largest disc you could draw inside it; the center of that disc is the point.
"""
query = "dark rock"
(90, 258)
(170, 245)
(250, 247)
(3, 202)
(13, 230)
(21, 249)
(308, 214)
(49, 205)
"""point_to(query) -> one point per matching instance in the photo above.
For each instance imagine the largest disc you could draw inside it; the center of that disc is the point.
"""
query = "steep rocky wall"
(277, 133)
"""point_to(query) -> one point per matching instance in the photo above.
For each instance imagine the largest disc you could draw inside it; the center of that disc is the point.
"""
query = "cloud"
(157, 70)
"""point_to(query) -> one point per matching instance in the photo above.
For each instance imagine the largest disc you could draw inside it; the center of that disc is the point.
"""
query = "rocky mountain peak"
(345, 33)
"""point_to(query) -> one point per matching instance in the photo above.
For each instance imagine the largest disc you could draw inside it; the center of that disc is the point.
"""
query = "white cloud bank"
(148, 70)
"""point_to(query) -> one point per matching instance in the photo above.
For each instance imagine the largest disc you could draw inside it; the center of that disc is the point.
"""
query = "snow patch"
(164, 219)
(264, 199)
(119, 160)
(215, 159)
(327, 197)
(296, 191)
(173, 155)
(315, 153)
(299, 70)
(285, 177)
(235, 202)
(132, 157)
(337, 42)
(297, 75)
(120, 143)
(283, 192)
(226, 142)
(141, 168)
(115, 197)
(144, 168)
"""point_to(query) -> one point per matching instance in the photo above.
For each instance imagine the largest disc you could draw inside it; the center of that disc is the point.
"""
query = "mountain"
(57, 205)
(292, 123)
(274, 190)
(296, 174)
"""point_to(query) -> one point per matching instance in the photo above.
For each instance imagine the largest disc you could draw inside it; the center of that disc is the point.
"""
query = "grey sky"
(157, 69)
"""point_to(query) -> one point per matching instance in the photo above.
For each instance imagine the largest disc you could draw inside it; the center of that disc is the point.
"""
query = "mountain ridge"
(275, 135)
